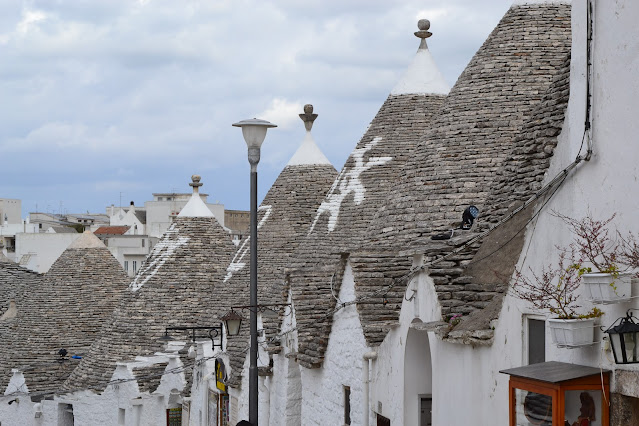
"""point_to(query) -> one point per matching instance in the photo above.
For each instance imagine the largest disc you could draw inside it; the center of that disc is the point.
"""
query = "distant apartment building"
(80, 222)
(237, 222)
(10, 211)
(130, 249)
(133, 231)
(128, 232)
(166, 206)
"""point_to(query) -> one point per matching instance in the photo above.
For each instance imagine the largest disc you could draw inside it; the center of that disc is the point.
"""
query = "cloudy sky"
(110, 99)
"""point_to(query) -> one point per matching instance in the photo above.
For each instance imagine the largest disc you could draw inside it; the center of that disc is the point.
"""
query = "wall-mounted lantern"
(233, 321)
(623, 339)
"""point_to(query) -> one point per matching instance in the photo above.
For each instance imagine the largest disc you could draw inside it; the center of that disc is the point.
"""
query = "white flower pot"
(599, 289)
(572, 332)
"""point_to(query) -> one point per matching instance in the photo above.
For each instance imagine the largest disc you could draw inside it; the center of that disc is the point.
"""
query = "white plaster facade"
(164, 207)
(8, 233)
(38, 251)
(601, 187)
(128, 218)
(463, 380)
(128, 249)
(10, 211)
(122, 403)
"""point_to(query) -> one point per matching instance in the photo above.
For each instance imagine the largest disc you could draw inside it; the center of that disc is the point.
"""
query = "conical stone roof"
(13, 279)
(64, 310)
(175, 286)
(339, 225)
(283, 220)
(490, 147)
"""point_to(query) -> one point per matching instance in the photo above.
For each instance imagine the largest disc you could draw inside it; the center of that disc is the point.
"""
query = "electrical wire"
(557, 180)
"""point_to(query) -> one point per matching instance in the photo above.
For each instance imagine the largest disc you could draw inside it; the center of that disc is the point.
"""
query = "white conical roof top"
(422, 75)
(308, 153)
(87, 240)
(195, 207)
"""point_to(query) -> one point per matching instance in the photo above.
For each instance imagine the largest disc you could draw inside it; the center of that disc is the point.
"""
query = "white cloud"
(152, 87)
(282, 112)
(30, 20)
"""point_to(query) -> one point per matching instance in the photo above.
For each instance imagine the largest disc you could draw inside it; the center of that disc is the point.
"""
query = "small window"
(142, 242)
(536, 340)
(126, 265)
(347, 405)
(65, 415)
(135, 266)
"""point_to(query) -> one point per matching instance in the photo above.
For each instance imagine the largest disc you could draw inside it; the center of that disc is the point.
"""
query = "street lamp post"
(254, 132)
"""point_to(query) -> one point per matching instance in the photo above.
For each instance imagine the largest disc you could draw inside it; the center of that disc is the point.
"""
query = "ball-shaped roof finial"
(196, 181)
(423, 33)
(308, 117)
(423, 24)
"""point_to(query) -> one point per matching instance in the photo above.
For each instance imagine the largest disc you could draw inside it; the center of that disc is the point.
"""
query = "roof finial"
(308, 117)
(423, 33)
(196, 183)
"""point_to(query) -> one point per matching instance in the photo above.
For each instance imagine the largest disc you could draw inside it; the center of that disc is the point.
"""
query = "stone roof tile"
(175, 286)
(508, 163)
(451, 159)
(65, 308)
(283, 220)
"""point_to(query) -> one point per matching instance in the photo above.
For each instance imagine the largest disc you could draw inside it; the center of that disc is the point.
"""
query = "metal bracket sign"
(220, 375)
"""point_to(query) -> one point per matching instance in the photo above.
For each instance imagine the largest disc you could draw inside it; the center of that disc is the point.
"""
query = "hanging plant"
(604, 258)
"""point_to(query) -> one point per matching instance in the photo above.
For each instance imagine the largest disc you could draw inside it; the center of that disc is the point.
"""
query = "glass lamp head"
(624, 339)
(233, 321)
(254, 131)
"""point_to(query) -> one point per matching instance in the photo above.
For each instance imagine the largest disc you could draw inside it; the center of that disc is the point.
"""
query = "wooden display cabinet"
(558, 394)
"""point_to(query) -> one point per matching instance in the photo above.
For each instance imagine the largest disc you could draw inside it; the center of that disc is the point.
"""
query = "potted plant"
(604, 261)
(554, 290)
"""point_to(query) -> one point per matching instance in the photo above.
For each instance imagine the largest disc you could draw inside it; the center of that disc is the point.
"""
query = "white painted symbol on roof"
(237, 263)
(348, 182)
(162, 252)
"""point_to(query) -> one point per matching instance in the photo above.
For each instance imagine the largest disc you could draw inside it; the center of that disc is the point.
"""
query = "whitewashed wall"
(44, 248)
(322, 389)
(605, 185)
(119, 404)
(464, 382)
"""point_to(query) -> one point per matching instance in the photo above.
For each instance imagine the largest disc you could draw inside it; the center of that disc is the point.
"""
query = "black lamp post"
(624, 338)
(254, 132)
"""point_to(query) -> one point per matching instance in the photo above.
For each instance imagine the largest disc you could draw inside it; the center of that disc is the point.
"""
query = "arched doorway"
(418, 382)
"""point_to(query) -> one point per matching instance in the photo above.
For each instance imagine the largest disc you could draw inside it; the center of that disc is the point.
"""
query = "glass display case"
(558, 394)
